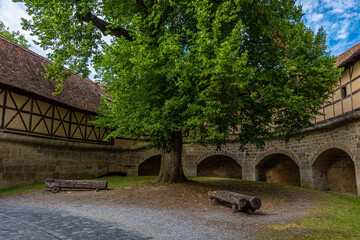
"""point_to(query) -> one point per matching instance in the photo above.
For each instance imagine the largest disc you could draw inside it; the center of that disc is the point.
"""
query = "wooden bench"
(237, 201)
(57, 184)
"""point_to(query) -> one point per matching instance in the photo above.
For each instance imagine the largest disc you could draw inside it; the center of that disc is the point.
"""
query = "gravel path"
(20, 222)
(146, 217)
(158, 224)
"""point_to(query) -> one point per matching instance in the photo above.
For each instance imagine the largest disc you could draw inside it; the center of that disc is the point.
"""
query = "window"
(343, 92)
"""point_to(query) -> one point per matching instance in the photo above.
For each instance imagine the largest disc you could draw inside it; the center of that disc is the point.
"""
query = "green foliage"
(212, 70)
(14, 36)
(73, 42)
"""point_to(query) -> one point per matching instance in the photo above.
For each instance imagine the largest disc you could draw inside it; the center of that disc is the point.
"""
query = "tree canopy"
(14, 36)
(207, 70)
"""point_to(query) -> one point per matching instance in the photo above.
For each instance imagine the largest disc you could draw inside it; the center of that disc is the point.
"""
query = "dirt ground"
(280, 204)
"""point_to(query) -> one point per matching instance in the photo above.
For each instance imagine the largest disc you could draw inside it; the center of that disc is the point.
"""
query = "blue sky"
(340, 19)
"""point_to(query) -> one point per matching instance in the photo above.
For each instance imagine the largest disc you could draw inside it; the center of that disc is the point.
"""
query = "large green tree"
(202, 71)
(13, 35)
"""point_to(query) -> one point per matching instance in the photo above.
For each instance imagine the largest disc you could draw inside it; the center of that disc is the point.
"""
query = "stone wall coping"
(10, 137)
(338, 121)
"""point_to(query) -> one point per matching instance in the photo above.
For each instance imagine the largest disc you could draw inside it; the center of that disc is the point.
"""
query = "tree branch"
(141, 5)
(152, 3)
(104, 26)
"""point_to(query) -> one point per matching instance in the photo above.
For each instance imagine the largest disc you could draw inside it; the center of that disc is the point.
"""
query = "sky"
(340, 19)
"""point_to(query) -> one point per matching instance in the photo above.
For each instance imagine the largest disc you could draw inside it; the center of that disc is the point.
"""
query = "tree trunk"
(171, 170)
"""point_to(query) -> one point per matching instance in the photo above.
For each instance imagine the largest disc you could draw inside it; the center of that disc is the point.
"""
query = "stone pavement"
(20, 222)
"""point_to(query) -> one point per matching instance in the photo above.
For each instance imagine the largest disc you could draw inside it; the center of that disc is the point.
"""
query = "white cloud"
(334, 26)
(315, 17)
(308, 6)
(340, 6)
(340, 19)
(343, 31)
(11, 14)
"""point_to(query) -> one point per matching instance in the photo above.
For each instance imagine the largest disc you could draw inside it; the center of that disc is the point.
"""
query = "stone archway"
(219, 166)
(150, 167)
(334, 170)
(278, 168)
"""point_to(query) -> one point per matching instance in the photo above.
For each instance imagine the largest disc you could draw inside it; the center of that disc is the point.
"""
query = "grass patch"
(335, 216)
(21, 189)
(114, 182)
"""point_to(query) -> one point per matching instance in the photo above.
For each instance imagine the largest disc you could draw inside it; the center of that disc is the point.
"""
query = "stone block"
(68, 155)
(89, 156)
(13, 169)
(54, 154)
(51, 168)
(55, 175)
(9, 177)
(47, 154)
(19, 177)
(28, 168)
(42, 168)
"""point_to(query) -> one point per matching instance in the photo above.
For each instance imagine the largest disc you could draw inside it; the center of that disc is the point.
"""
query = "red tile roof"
(349, 57)
(22, 68)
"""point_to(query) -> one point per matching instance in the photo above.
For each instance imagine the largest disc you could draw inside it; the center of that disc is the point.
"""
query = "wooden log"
(234, 208)
(57, 184)
(253, 202)
(238, 201)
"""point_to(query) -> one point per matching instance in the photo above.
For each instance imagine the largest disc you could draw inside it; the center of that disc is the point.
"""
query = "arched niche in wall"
(334, 170)
(278, 168)
(150, 167)
(219, 166)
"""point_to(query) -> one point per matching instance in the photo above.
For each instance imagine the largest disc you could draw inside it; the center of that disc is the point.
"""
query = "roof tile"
(349, 57)
(21, 68)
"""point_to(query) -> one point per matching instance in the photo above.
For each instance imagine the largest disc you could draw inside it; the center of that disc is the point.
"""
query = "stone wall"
(302, 153)
(26, 159)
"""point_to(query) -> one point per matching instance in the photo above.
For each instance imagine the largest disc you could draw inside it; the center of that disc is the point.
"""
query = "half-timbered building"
(28, 105)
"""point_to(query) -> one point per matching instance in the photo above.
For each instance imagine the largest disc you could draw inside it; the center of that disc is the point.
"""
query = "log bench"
(237, 201)
(57, 184)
